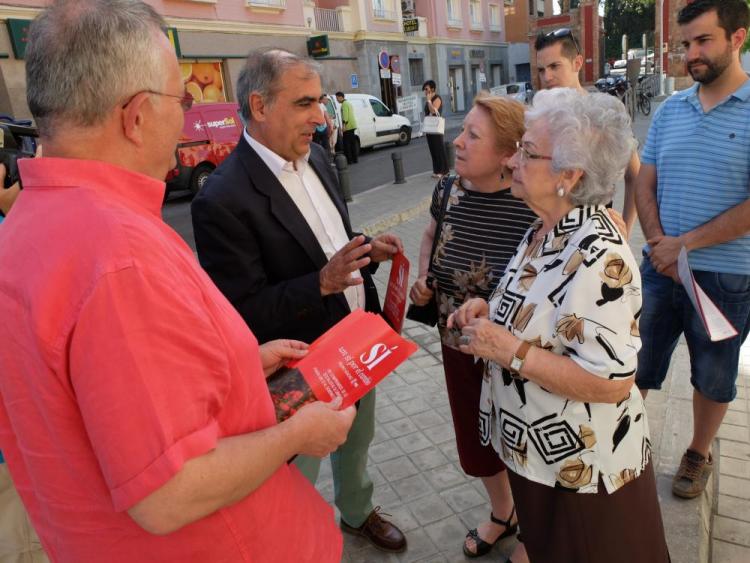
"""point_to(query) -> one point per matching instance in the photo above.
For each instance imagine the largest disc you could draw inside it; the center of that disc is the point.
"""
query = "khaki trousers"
(352, 487)
(18, 540)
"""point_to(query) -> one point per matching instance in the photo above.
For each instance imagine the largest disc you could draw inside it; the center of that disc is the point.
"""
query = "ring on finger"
(464, 340)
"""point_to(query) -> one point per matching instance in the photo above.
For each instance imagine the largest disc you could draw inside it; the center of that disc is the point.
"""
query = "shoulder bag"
(428, 313)
(433, 125)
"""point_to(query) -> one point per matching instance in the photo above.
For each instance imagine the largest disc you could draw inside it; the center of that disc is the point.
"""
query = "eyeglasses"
(186, 100)
(565, 32)
(526, 155)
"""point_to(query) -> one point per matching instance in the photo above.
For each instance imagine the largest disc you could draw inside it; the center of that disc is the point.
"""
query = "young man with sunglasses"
(559, 61)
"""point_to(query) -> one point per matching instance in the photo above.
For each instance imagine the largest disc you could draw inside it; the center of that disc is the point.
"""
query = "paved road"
(374, 168)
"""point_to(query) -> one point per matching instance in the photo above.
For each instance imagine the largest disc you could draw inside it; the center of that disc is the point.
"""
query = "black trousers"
(437, 152)
(350, 146)
(322, 139)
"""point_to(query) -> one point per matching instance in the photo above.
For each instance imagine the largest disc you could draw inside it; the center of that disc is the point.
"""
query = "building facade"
(588, 27)
(360, 44)
(674, 54)
(518, 14)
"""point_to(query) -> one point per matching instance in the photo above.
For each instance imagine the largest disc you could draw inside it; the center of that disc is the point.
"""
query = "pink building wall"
(380, 25)
(330, 4)
(224, 10)
(437, 15)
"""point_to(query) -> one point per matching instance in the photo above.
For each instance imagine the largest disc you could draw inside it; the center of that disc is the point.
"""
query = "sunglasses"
(562, 33)
(186, 100)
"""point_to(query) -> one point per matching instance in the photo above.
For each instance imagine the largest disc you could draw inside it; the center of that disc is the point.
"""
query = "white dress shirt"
(307, 192)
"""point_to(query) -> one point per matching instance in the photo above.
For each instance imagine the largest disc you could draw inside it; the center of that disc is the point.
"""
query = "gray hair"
(86, 56)
(589, 132)
(262, 73)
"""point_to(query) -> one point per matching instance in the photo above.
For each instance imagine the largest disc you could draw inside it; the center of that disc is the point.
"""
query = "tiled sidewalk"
(731, 520)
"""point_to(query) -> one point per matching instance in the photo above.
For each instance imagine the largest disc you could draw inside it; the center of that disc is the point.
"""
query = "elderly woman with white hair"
(560, 337)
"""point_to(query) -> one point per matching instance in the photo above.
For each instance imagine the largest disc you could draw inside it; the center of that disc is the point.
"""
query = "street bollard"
(342, 167)
(398, 168)
(450, 154)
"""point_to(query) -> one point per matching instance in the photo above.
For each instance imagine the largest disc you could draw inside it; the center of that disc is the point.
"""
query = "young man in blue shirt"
(693, 192)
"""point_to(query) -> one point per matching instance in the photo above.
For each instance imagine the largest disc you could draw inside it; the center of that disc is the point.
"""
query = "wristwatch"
(519, 357)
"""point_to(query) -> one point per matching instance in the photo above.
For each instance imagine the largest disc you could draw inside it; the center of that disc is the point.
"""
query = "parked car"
(376, 123)
(521, 91)
(210, 133)
(619, 67)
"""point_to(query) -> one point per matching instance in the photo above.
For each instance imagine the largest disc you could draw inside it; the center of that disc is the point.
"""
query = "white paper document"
(716, 324)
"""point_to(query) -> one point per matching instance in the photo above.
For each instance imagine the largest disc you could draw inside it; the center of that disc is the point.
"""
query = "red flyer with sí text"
(394, 305)
(347, 361)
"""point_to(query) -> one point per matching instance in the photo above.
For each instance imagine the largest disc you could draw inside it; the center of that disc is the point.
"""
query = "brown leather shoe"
(381, 533)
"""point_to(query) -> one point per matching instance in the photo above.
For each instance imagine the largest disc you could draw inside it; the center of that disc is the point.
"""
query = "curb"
(389, 221)
(709, 503)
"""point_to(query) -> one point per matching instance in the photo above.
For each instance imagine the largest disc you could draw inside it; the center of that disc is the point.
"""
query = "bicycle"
(643, 102)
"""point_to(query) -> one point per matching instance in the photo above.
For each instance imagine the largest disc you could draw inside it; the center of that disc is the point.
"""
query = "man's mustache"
(698, 61)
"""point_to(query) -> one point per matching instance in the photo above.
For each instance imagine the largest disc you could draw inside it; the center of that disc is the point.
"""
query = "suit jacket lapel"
(282, 206)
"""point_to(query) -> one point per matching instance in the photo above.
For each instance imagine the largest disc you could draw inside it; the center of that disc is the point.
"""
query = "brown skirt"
(558, 526)
(463, 380)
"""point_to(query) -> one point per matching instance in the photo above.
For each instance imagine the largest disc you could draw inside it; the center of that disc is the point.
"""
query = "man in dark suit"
(273, 233)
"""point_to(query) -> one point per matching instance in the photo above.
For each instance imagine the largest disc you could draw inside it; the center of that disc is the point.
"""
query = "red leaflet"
(347, 361)
(395, 296)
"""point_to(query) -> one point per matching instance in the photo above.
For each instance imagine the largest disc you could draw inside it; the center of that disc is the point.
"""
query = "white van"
(376, 123)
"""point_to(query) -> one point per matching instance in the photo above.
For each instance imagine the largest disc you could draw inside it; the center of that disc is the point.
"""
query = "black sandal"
(483, 547)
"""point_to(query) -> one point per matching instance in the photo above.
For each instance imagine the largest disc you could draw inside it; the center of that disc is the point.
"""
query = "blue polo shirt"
(703, 168)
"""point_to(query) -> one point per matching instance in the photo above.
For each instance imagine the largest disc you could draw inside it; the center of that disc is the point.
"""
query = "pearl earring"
(560, 191)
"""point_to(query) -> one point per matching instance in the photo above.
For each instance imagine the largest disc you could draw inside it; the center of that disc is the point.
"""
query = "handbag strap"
(446, 183)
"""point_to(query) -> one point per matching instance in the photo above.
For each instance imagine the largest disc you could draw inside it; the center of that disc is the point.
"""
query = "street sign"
(396, 77)
(317, 46)
(385, 73)
(411, 25)
(395, 64)
(383, 59)
(482, 77)
(355, 81)
(18, 30)
(407, 103)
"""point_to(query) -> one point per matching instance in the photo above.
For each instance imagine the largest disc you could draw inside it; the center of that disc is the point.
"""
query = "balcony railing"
(279, 4)
(455, 22)
(382, 14)
(477, 26)
(495, 27)
(328, 20)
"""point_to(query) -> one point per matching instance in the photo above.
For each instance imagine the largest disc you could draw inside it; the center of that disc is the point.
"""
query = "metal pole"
(398, 168)
(661, 47)
(342, 167)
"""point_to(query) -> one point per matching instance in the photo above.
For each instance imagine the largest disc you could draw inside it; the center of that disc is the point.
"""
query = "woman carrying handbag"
(435, 141)
(476, 225)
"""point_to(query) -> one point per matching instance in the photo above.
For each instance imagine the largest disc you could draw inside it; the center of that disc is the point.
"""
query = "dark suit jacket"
(259, 250)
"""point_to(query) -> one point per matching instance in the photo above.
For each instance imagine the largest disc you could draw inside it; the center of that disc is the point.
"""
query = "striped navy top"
(703, 169)
(479, 236)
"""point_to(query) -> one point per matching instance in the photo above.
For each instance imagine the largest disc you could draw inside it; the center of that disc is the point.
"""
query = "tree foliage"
(631, 17)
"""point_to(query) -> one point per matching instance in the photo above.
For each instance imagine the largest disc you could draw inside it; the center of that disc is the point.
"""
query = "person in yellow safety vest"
(349, 122)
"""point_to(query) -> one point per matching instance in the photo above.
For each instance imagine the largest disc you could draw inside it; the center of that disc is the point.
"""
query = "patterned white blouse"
(576, 293)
